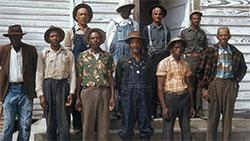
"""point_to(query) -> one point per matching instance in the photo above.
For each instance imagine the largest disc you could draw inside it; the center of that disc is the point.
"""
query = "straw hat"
(124, 3)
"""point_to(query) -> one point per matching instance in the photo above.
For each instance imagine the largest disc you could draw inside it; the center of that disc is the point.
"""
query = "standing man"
(118, 30)
(221, 69)
(96, 98)
(134, 84)
(175, 91)
(17, 83)
(75, 40)
(157, 36)
(55, 84)
(196, 43)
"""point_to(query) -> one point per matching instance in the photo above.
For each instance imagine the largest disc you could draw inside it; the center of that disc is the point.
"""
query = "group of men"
(127, 74)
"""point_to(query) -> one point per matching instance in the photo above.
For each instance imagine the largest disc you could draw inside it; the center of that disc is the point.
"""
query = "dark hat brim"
(134, 37)
(171, 43)
(57, 29)
(131, 5)
(16, 34)
(164, 11)
(91, 30)
(86, 6)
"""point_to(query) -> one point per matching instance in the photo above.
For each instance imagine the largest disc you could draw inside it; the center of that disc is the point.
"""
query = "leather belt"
(218, 78)
(15, 83)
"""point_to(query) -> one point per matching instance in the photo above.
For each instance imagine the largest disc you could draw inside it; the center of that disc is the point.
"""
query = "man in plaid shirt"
(221, 69)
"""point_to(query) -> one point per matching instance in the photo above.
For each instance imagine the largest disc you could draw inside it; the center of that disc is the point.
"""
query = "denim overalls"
(118, 45)
(135, 99)
(80, 44)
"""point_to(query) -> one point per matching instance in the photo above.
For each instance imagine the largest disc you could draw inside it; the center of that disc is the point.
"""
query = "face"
(195, 20)
(15, 40)
(177, 50)
(54, 38)
(125, 12)
(223, 36)
(82, 16)
(135, 45)
(95, 39)
(157, 15)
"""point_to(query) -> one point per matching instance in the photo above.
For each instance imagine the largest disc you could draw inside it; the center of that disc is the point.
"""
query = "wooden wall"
(236, 15)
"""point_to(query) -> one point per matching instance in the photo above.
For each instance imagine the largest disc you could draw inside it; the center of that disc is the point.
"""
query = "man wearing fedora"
(56, 84)
(175, 91)
(157, 36)
(75, 40)
(196, 43)
(17, 83)
(134, 85)
(95, 93)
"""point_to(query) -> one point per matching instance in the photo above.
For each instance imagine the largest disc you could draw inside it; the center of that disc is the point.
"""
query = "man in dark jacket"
(17, 83)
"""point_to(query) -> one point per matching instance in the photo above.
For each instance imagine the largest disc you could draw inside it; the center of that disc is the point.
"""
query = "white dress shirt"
(16, 66)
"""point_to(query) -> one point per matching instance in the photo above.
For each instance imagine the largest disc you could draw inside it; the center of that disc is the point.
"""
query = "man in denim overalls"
(74, 40)
(117, 32)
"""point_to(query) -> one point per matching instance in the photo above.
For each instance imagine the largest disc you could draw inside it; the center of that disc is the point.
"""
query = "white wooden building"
(36, 16)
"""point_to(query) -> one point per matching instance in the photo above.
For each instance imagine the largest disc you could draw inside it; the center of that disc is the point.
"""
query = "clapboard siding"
(35, 17)
(180, 8)
(236, 15)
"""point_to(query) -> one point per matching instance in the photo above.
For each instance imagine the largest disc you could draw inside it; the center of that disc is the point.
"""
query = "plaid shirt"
(174, 73)
(207, 69)
(94, 72)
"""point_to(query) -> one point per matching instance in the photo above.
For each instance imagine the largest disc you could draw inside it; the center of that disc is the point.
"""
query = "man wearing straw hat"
(74, 39)
(95, 98)
(134, 84)
(175, 91)
(56, 84)
(17, 83)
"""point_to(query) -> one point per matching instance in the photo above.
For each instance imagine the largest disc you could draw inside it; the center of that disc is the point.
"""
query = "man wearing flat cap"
(175, 91)
(196, 43)
(157, 36)
(56, 84)
(75, 41)
(133, 84)
(95, 86)
(17, 83)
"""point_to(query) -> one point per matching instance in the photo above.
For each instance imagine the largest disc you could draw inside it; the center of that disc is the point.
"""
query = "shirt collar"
(154, 26)
(227, 49)
(171, 58)
(60, 49)
(121, 20)
(77, 27)
(190, 28)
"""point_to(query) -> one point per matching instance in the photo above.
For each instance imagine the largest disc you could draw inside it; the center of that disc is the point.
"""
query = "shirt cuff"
(39, 93)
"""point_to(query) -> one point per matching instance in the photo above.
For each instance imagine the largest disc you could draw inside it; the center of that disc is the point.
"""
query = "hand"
(205, 94)
(192, 112)
(111, 104)
(69, 100)
(78, 104)
(166, 114)
(43, 102)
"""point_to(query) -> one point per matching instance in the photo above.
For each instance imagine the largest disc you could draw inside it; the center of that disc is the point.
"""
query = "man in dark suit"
(17, 83)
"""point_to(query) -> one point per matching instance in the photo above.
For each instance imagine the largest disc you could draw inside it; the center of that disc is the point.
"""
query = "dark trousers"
(197, 99)
(179, 106)
(76, 115)
(57, 114)
(135, 108)
(222, 96)
(155, 59)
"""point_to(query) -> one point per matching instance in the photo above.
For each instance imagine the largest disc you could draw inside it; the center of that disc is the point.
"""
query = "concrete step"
(240, 130)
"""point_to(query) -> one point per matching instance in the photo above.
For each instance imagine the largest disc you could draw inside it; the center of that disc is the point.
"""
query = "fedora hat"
(53, 28)
(177, 39)
(86, 6)
(195, 12)
(124, 3)
(91, 30)
(163, 10)
(14, 30)
(133, 34)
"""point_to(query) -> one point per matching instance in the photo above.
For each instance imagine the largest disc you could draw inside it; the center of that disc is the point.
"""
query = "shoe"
(77, 131)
